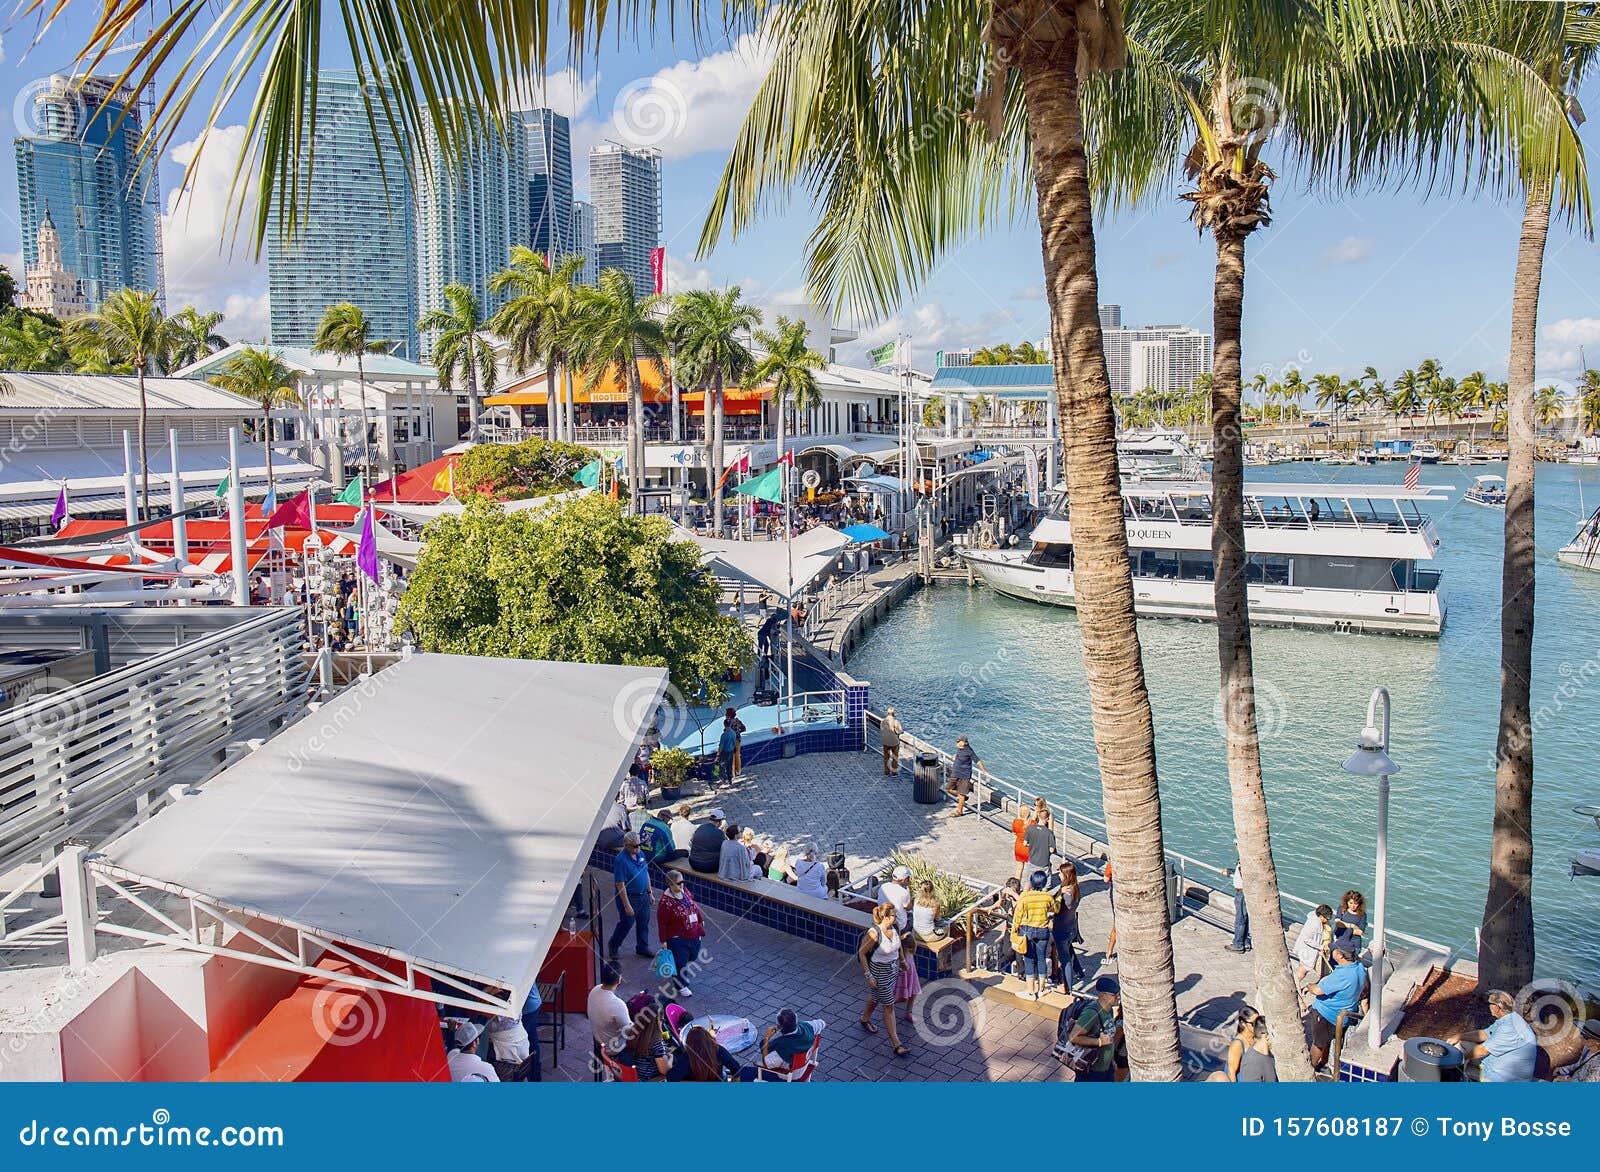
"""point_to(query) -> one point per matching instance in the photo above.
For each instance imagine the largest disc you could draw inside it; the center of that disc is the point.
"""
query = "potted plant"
(671, 768)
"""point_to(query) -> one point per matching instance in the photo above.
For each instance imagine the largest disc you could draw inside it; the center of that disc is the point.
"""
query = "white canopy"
(442, 813)
(391, 546)
(450, 507)
(766, 563)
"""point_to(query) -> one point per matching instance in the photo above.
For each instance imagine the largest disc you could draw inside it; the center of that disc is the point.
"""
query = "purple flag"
(58, 515)
(367, 550)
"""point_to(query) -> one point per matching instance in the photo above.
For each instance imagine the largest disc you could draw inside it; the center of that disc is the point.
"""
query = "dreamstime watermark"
(337, 715)
(1575, 682)
(1265, 701)
(1255, 107)
(974, 680)
(949, 1012)
(637, 703)
(649, 112)
(159, 1132)
(344, 1015)
(1555, 1009)
(47, 709)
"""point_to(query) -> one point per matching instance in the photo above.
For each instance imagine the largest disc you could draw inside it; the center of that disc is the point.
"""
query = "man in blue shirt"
(1341, 991)
(959, 786)
(1508, 1049)
(632, 873)
(655, 840)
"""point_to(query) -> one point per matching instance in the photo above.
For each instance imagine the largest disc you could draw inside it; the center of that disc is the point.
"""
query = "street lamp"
(1371, 759)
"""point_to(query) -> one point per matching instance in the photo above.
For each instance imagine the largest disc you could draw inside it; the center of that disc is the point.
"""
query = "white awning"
(443, 813)
(391, 546)
(450, 507)
(31, 474)
(766, 563)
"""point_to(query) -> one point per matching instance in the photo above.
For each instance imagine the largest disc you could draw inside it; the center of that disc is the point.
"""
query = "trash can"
(1430, 1060)
(927, 779)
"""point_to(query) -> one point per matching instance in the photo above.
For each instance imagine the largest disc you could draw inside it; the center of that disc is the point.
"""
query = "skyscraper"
(82, 167)
(625, 187)
(583, 240)
(355, 241)
(549, 138)
(1162, 358)
(470, 211)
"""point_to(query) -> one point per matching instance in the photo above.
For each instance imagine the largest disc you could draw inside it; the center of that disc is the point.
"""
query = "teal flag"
(588, 475)
(222, 489)
(352, 494)
(766, 487)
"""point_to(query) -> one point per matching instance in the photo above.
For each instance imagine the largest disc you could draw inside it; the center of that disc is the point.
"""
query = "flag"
(787, 458)
(884, 354)
(766, 487)
(588, 475)
(352, 494)
(58, 515)
(658, 268)
(742, 464)
(222, 489)
(1413, 473)
(296, 512)
(445, 480)
(269, 502)
(367, 548)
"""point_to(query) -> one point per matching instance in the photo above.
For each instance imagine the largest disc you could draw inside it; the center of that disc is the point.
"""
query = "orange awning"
(531, 391)
(735, 401)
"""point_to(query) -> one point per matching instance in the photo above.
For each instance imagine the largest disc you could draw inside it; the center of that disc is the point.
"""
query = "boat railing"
(994, 796)
(803, 708)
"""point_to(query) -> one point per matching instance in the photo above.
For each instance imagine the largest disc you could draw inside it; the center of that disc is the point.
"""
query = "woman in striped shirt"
(880, 964)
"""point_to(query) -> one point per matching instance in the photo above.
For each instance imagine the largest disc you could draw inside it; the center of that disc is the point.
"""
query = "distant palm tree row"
(1005, 354)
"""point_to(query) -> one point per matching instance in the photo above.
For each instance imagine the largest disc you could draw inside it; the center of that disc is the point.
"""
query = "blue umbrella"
(864, 534)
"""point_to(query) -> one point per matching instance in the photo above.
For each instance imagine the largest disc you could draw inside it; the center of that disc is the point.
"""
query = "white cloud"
(686, 108)
(1029, 293)
(1351, 250)
(1568, 344)
(932, 327)
(14, 266)
(205, 265)
(684, 275)
(567, 92)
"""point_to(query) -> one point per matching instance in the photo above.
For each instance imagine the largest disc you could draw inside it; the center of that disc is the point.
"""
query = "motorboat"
(1489, 491)
(1158, 453)
(1586, 861)
(1335, 557)
(1583, 551)
(1426, 452)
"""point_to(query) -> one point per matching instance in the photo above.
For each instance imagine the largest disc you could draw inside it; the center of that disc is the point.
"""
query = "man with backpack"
(1092, 1043)
(728, 745)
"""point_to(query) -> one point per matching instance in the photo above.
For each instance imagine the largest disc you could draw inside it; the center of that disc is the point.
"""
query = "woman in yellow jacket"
(1036, 908)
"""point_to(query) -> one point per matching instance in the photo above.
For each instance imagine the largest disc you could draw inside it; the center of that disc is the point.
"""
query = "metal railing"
(791, 715)
(78, 759)
(1091, 832)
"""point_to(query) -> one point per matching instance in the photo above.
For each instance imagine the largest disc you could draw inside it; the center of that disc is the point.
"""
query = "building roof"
(410, 817)
(1022, 378)
(33, 391)
(303, 360)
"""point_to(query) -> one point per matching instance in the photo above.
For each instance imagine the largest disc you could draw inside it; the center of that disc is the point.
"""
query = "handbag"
(1078, 1059)
(1019, 942)
(665, 965)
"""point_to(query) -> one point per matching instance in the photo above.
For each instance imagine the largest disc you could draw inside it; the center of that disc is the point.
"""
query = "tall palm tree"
(347, 332)
(462, 349)
(1548, 406)
(537, 318)
(259, 375)
(1330, 397)
(129, 328)
(1589, 401)
(709, 329)
(191, 336)
(789, 366)
(1473, 394)
(616, 329)
(860, 88)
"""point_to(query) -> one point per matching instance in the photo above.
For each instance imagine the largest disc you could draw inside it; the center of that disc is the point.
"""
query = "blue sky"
(1385, 279)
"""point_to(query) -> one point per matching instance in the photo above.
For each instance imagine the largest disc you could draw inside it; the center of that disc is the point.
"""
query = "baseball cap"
(902, 872)
(1108, 985)
(715, 814)
(466, 1033)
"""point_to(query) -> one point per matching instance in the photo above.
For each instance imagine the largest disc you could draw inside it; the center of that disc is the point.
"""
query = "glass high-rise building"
(550, 201)
(625, 188)
(81, 164)
(583, 241)
(470, 211)
(355, 240)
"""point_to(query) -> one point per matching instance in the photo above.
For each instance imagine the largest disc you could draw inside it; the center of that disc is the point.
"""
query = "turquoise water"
(1009, 674)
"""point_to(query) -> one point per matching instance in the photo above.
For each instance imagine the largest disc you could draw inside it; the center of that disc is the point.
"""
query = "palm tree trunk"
(266, 431)
(714, 431)
(144, 452)
(551, 403)
(1274, 977)
(1120, 704)
(1506, 944)
(570, 408)
(472, 398)
(635, 440)
(366, 444)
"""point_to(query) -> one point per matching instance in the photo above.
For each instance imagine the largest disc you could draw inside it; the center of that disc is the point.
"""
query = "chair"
(801, 1066)
(552, 994)
(618, 1072)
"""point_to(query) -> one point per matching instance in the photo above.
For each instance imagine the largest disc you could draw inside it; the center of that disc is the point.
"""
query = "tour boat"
(1583, 551)
(1157, 453)
(1338, 557)
(1427, 452)
(1488, 490)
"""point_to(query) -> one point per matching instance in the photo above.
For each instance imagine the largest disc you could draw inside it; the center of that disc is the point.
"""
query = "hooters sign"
(658, 268)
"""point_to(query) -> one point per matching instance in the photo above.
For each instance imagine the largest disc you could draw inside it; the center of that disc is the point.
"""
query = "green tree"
(259, 375)
(580, 583)
(191, 336)
(789, 366)
(346, 331)
(709, 329)
(536, 320)
(1548, 406)
(129, 328)
(1589, 402)
(462, 349)
(31, 341)
(1474, 394)
(532, 468)
(933, 411)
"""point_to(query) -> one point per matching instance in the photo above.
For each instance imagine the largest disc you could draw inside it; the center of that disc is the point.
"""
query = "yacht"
(1337, 557)
(1158, 453)
(1427, 452)
(1583, 551)
(1488, 490)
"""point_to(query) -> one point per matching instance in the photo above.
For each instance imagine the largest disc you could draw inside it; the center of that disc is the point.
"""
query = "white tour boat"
(1341, 557)
(1583, 551)
(1488, 490)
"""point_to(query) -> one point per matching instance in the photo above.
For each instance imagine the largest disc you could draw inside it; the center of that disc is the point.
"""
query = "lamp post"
(1371, 759)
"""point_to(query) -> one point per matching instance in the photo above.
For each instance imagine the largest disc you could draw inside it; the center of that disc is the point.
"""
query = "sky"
(1385, 279)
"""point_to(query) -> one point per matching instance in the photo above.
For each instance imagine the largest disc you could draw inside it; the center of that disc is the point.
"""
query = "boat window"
(1425, 580)
(1194, 566)
(1051, 556)
(1267, 569)
(1158, 563)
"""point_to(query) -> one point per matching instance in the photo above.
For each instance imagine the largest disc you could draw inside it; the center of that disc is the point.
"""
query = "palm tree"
(1447, 399)
(858, 88)
(1473, 394)
(129, 328)
(192, 336)
(1027, 354)
(614, 329)
(788, 367)
(1548, 406)
(463, 349)
(347, 332)
(708, 329)
(1589, 401)
(1407, 396)
(30, 342)
(258, 375)
(1294, 389)
(537, 318)
(933, 411)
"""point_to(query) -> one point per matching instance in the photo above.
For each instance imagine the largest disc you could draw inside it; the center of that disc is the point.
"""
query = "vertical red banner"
(658, 268)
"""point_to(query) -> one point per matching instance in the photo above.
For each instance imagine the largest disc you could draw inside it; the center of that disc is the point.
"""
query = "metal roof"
(32, 391)
(303, 360)
(98, 471)
(1275, 488)
(998, 379)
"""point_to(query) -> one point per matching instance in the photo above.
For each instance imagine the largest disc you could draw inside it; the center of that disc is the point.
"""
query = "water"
(1009, 674)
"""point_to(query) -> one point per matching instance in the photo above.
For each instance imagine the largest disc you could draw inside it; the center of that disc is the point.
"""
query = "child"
(907, 985)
